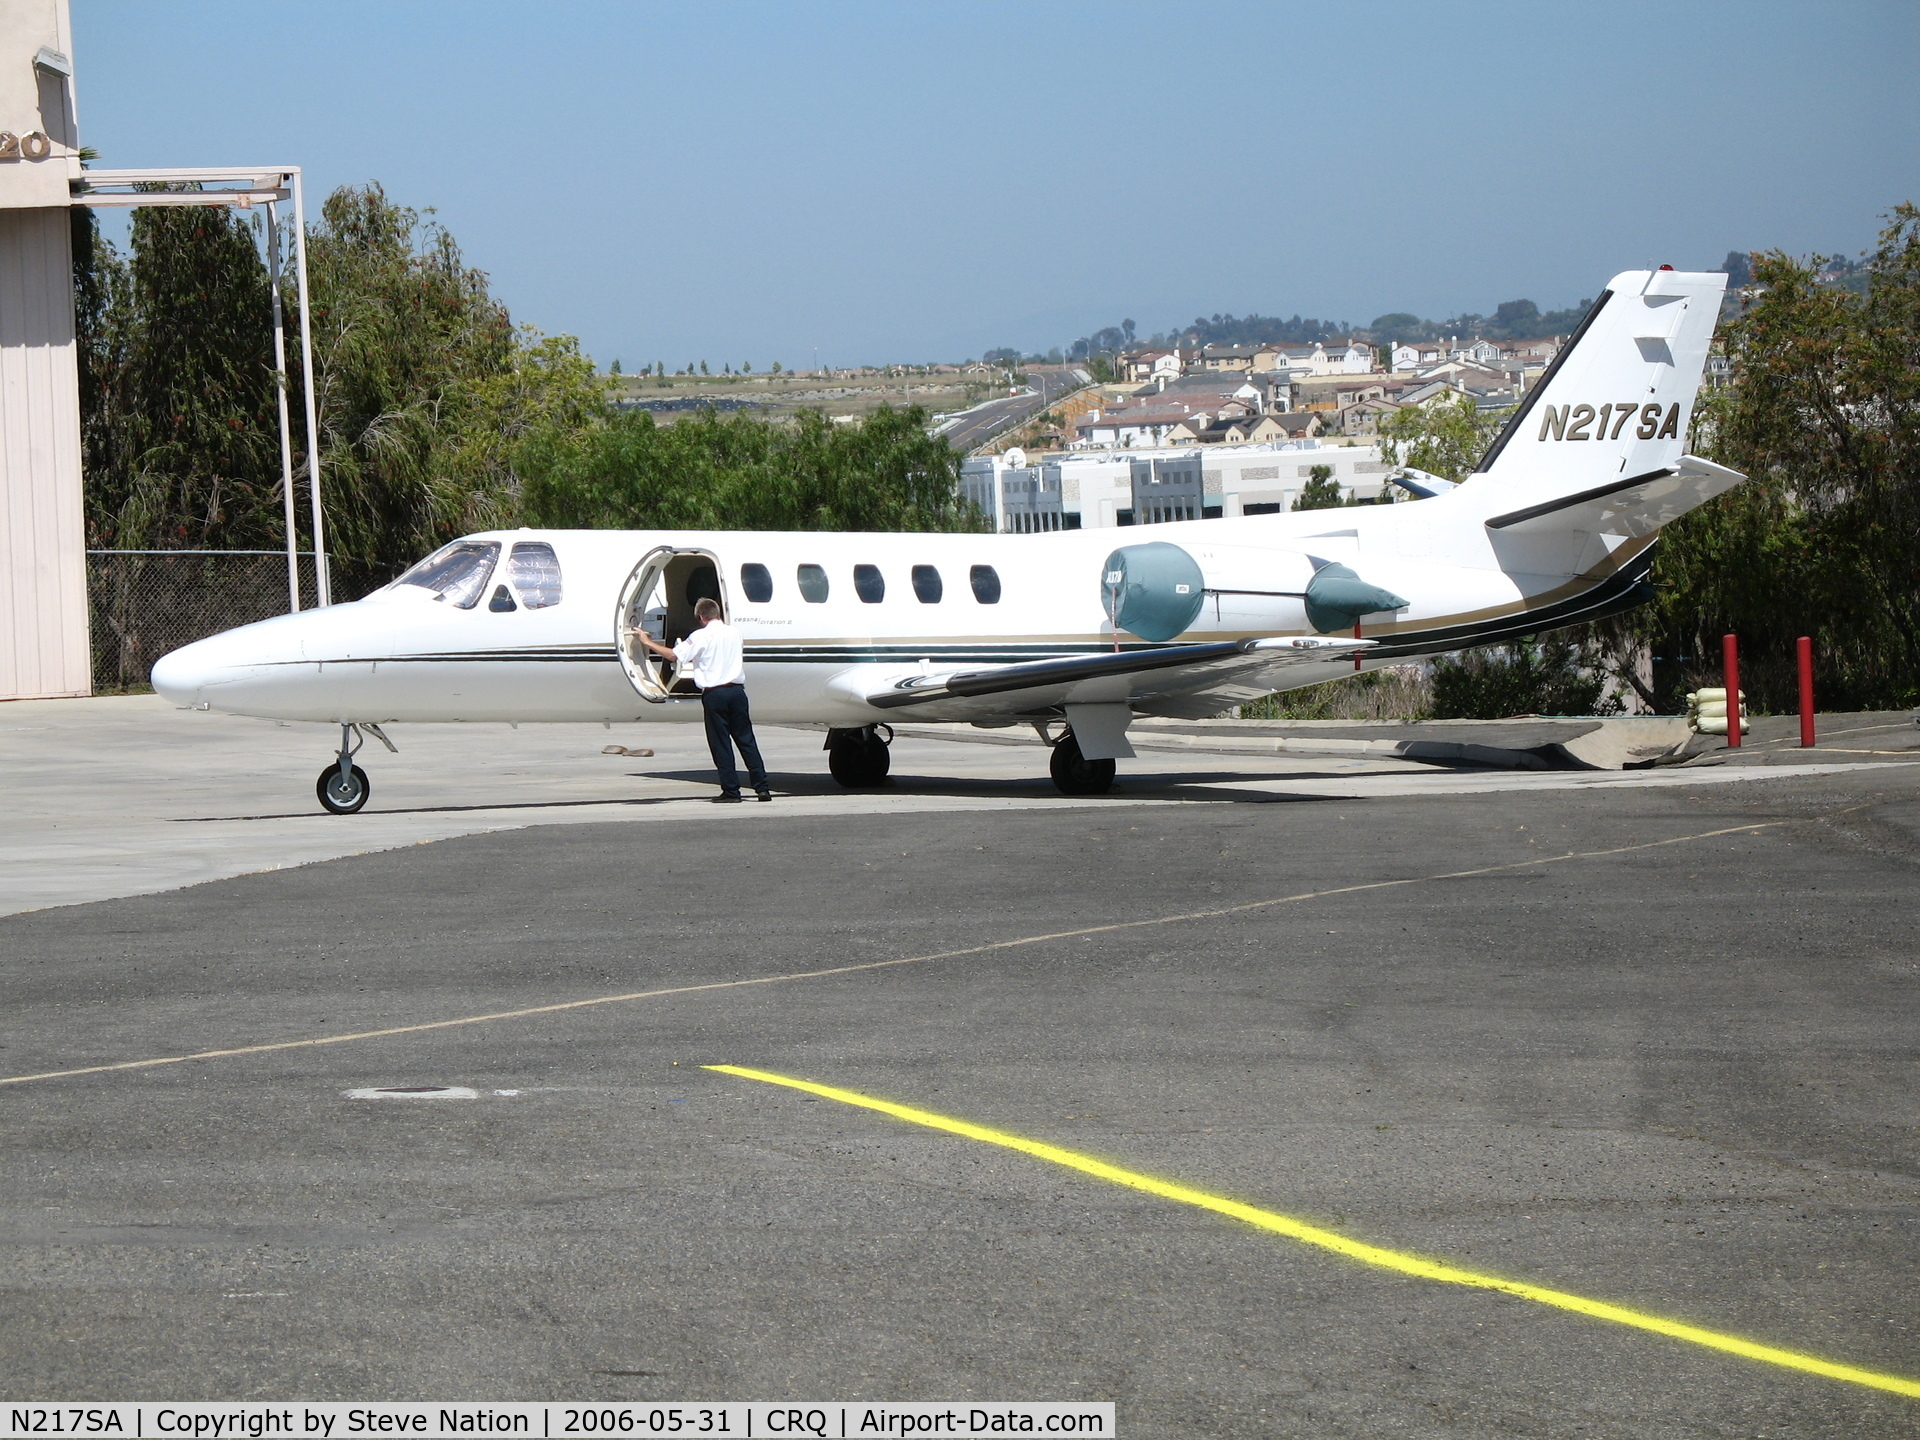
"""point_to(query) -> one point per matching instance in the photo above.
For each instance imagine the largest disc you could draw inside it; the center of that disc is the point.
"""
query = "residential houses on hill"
(1221, 394)
(1330, 357)
(1220, 430)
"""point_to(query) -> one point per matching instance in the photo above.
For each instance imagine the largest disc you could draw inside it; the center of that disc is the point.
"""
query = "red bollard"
(1805, 647)
(1730, 662)
(1358, 636)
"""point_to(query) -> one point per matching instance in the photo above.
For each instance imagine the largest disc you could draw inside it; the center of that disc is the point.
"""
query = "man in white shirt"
(713, 658)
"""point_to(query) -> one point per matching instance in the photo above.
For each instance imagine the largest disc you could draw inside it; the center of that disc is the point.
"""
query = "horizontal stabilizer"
(1421, 485)
(1634, 507)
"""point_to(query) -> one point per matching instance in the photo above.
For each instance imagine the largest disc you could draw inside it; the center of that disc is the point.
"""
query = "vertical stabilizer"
(1616, 401)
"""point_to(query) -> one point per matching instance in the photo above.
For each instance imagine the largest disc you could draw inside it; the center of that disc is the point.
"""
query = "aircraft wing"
(1634, 507)
(1201, 679)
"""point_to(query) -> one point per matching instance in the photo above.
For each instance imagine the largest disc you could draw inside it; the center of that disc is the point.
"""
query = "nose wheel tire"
(343, 794)
(1074, 774)
(859, 759)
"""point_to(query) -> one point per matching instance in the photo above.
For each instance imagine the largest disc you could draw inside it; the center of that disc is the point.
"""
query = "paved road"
(973, 428)
(1673, 1076)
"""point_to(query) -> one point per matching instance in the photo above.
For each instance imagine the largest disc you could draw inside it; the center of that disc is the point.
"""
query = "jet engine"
(1154, 590)
(1337, 598)
(1158, 590)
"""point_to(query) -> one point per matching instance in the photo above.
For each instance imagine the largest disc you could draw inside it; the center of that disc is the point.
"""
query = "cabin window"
(869, 584)
(813, 584)
(926, 584)
(502, 600)
(986, 584)
(535, 572)
(756, 581)
(457, 574)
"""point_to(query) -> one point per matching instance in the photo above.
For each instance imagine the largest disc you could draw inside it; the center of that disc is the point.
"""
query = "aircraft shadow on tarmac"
(1185, 786)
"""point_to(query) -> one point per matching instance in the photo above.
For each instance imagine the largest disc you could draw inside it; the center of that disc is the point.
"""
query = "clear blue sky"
(922, 180)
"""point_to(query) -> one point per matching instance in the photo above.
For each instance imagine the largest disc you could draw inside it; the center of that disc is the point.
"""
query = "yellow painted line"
(560, 1007)
(1340, 1244)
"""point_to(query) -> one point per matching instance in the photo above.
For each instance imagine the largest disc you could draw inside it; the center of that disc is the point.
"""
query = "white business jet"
(1064, 631)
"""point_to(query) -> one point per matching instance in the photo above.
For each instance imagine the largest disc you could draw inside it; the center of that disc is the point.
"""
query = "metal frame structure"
(243, 188)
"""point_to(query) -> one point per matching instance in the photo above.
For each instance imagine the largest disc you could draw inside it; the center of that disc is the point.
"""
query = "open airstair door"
(658, 600)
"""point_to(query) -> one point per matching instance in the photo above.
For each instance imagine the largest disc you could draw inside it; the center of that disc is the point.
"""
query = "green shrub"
(1527, 677)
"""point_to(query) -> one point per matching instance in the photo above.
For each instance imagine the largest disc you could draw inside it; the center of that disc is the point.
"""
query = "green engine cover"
(1337, 598)
(1154, 590)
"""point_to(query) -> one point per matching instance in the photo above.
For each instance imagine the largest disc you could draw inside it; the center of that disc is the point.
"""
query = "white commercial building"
(1141, 486)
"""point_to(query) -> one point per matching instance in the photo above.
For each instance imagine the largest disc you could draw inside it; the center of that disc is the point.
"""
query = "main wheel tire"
(859, 759)
(1074, 774)
(343, 798)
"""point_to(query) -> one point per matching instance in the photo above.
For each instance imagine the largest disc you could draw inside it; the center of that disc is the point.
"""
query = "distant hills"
(1510, 320)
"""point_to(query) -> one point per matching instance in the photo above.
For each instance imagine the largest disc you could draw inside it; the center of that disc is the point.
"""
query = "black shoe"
(765, 795)
(724, 799)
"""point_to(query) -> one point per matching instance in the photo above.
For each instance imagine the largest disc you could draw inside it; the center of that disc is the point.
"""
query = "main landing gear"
(1073, 773)
(859, 758)
(343, 786)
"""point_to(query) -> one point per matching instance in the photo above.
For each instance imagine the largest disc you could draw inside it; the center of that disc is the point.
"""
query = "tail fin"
(1615, 403)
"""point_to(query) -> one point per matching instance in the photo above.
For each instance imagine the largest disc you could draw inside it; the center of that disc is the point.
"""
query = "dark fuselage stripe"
(1619, 591)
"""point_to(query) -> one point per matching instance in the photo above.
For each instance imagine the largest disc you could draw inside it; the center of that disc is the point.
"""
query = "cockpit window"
(535, 572)
(457, 574)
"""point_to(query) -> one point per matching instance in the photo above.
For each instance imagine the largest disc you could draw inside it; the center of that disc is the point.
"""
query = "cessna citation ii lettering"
(1064, 631)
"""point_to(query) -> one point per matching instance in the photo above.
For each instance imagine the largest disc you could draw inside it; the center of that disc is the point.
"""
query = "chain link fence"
(147, 602)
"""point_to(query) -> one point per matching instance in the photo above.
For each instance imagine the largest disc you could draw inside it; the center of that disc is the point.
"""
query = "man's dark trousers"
(728, 725)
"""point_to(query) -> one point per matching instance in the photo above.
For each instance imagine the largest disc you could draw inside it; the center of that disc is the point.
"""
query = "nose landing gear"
(343, 790)
(343, 786)
(859, 758)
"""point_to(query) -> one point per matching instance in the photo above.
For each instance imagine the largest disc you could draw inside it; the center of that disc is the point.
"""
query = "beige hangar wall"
(43, 591)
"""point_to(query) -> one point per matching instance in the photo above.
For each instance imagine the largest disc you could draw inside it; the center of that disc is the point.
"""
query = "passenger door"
(658, 599)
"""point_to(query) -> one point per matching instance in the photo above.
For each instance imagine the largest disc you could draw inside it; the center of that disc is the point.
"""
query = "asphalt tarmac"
(1673, 1074)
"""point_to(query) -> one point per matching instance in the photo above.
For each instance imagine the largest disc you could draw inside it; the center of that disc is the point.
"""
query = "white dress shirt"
(712, 656)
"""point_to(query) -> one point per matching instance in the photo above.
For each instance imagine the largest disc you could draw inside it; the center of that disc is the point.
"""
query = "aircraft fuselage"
(915, 602)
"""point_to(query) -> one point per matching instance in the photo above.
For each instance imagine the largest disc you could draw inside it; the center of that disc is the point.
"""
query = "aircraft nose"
(182, 676)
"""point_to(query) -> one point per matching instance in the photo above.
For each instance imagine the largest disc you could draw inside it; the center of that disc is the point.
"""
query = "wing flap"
(1129, 676)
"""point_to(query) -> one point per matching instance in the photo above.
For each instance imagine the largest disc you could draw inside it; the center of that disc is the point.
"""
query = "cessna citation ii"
(1064, 631)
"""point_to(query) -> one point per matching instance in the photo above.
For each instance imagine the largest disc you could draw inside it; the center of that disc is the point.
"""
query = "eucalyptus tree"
(737, 472)
(1822, 413)
(426, 388)
(180, 441)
